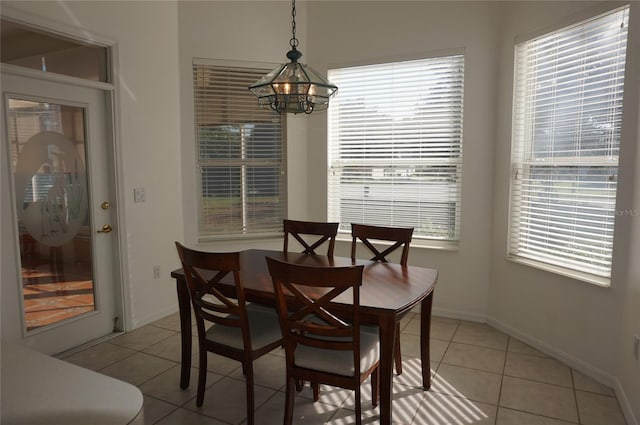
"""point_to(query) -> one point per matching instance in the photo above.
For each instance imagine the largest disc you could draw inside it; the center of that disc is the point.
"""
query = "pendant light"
(293, 87)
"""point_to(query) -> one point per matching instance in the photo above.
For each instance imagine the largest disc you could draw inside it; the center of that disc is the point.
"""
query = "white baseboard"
(581, 366)
(576, 363)
(624, 404)
(460, 315)
(157, 315)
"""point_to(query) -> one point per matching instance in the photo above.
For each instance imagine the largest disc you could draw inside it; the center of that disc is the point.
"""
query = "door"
(57, 139)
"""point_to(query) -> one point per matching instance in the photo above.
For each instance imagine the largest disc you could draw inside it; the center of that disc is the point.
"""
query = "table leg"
(425, 338)
(387, 343)
(184, 306)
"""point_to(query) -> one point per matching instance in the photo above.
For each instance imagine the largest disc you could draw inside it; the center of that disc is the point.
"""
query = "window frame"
(200, 163)
(419, 240)
(524, 161)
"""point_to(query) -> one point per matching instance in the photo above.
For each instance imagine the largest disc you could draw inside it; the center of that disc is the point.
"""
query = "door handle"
(106, 229)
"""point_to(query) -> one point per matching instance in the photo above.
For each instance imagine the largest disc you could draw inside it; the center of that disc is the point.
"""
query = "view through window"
(566, 139)
(240, 149)
(395, 146)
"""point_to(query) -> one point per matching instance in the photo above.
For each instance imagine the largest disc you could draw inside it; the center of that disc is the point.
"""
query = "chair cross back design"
(238, 331)
(315, 308)
(326, 231)
(401, 238)
(320, 345)
(227, 307)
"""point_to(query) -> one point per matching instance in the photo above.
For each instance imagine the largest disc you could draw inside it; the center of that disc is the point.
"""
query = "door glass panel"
(51, 189)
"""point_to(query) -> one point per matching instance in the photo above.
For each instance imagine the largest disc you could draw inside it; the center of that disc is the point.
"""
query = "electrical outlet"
(636, 347)
(156, 272)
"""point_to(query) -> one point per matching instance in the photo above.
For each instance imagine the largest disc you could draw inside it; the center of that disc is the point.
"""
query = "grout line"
(504, 368)
(117, 361)
(575, 395)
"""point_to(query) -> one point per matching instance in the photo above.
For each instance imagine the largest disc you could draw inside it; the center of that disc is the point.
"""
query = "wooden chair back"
(400, 236)
(320, 232)
(302, 296)
(203, 271)
(321, 346)
(227, 325)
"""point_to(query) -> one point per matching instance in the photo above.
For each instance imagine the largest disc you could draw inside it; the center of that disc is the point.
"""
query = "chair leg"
(375, 387)
(358, 406)
(397, 355)
(316, 391)
(202, 377)
(289, 401)
(248, 369)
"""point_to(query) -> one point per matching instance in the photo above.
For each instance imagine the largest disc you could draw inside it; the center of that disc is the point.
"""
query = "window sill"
(603, 282)
(240, 238)
(452, 246)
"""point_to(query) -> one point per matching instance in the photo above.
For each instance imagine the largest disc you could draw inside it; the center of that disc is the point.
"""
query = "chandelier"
(294, 87)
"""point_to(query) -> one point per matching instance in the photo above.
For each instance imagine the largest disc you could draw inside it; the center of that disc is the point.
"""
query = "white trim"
(224, 238)
(416, 243)
(14, 215)
(625, 405)
(458, 314)
(157, 315)
(603, 282)
(53, 77)
(119, 185)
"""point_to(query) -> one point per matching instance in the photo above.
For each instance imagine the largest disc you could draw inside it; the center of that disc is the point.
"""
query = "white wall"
(628, 366)
(146, 38)
(575, 321)
(352, 33)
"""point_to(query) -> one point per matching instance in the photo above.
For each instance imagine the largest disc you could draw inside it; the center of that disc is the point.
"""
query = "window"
(566, 137)
(28, 47)
(240, 149)
(395, 146)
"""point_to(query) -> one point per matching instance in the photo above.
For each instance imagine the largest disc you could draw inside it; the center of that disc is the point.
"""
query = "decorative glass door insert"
(48, 156)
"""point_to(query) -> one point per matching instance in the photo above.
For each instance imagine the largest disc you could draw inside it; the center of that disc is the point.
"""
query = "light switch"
(138, 194)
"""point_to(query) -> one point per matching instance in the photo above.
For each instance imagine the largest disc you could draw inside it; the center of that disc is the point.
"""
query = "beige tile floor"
(480, 376)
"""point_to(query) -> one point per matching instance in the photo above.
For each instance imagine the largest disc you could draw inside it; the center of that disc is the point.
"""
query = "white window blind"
(240, 148)
(395, 146)
(565, 142)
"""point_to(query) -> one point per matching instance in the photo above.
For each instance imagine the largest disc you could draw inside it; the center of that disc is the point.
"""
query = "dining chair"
(320, 233)
(400, 237)
(227, 326)
(321, 346)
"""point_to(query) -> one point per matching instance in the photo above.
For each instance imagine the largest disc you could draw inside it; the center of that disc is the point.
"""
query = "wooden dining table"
(389, 291)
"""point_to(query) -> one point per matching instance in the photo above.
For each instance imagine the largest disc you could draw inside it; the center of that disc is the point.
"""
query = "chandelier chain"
(293, 87)
(294, 41)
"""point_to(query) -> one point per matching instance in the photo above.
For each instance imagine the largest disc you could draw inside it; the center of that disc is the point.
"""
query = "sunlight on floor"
(442, 405)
